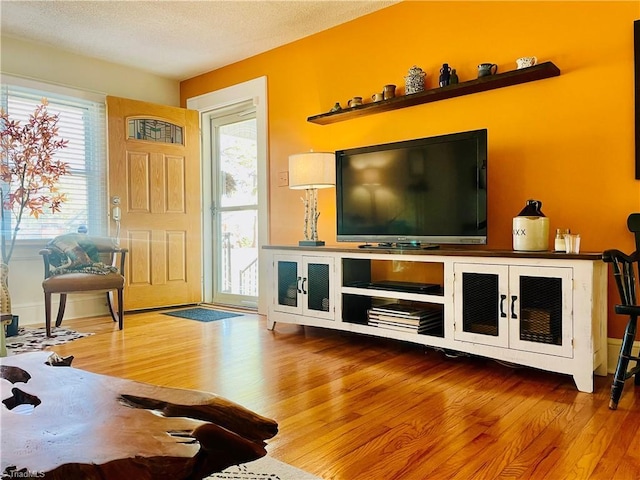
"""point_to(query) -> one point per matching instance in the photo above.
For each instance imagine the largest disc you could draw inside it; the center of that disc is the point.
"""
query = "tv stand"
(538, 309)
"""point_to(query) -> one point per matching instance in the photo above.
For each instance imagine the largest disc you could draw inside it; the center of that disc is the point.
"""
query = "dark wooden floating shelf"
(500, 80)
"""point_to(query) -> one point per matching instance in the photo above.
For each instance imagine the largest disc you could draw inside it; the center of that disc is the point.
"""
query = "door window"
(235, 209)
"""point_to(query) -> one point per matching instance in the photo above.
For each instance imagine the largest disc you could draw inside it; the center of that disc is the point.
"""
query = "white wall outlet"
(283, 179)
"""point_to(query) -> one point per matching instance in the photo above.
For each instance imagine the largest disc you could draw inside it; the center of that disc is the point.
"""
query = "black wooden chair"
(82, 282)
(625, 274)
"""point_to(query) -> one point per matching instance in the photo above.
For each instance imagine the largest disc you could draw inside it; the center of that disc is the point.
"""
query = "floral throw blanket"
(76, 253)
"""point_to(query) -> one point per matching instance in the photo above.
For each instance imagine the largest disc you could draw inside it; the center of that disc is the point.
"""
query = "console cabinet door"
(287, 271)
(481, 303)
(516, 307)
(541, 319)
(317, 288)
(304, 285)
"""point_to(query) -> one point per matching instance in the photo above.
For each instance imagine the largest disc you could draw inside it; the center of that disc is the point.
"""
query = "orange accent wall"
(567, 141)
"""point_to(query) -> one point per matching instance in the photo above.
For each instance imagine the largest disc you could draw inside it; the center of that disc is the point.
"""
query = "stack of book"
(405, 317)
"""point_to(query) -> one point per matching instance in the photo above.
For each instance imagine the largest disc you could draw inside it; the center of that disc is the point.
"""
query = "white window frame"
(93, 174)
(207, 104)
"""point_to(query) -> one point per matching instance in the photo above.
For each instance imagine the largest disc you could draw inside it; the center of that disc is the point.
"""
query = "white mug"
(525, 62)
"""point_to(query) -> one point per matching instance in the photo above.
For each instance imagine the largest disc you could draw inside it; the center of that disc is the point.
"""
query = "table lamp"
(311, 171)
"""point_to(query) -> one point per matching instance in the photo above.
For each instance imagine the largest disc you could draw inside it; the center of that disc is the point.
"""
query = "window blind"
(82, 122)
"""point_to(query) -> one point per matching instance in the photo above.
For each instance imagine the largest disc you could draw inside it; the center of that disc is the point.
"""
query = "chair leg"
(63, 305)
(119, 317)
(110, 305)
(623, 363)
(120, 308)
(47, 312)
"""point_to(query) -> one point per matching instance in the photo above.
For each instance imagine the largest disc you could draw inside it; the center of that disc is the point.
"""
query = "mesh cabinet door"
(542, 320)
(541, 310)
(317, 287)
(481, 304)
(288, 279)
(480, 296)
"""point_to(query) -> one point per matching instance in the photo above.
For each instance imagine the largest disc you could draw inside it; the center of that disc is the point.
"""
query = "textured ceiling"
(175, 39)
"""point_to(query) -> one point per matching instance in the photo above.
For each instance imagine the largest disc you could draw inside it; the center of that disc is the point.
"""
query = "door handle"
(513, 306)
(304, 280)
(502, 313)
(116, 216)
(298, 285)
(115, 209)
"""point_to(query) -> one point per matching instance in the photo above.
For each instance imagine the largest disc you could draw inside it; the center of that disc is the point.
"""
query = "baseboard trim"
(613, 351)
(78, 306)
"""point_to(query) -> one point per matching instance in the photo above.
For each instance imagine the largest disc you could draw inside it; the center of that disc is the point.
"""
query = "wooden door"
(154, 167)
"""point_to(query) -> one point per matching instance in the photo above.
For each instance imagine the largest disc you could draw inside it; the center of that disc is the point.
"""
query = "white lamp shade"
(312, 170)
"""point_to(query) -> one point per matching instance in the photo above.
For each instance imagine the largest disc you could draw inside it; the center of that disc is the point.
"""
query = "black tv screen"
(426, 191)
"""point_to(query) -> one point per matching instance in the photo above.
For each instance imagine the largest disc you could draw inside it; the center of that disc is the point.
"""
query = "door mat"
(33, 339)
(203, 314)
(265, 468)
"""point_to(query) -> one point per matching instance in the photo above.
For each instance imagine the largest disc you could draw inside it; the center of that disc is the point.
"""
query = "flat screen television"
(422, 192)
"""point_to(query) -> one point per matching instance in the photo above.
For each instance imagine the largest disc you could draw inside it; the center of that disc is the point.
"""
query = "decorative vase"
(12, 328)
(389, 91)
(414, 82)
(487, 69)
(453, 79)
(5, 298)
(445, 75)
(531, 228)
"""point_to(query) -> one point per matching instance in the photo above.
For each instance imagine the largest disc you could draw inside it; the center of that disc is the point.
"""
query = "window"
(155, 131)
(82, 123)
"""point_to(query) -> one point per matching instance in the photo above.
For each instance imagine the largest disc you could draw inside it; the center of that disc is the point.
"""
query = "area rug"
(265, 468)
(203, 314)
(33, 339)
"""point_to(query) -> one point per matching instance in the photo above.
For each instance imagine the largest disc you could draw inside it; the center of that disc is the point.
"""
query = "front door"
(154, 171)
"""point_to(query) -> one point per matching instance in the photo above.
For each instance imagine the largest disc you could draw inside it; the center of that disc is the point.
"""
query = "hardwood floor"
(351, 407)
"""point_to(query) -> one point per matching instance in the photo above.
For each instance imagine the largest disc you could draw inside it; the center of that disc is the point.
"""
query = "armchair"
(78, 263)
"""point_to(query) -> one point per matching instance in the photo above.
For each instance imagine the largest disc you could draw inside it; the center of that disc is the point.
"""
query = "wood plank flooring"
(352, 407)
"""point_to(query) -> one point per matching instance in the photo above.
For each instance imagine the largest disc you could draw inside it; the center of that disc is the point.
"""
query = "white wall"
(47, 64)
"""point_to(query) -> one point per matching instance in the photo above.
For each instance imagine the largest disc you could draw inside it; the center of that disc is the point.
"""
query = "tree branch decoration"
(311, 214)
(305, 202)
(29, 173)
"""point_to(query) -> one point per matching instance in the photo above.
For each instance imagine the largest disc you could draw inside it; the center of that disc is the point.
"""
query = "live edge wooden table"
(59, 422)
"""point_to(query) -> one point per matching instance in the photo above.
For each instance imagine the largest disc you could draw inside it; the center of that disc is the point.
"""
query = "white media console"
(539, 309)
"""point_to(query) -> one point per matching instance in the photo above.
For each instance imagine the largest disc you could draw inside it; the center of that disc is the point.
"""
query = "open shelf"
(356, 310)
(500, 80)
